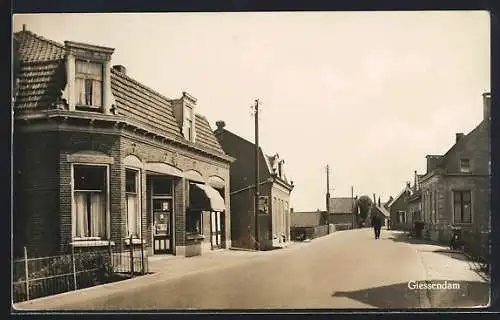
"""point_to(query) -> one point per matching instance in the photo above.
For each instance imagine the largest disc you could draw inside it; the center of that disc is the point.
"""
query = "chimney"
(415, 182)
(220, 124)
(24, 27)
(120, 68)
(379, 201)
(458, 136)
(374, 199)
(486, 106)
(432, 162)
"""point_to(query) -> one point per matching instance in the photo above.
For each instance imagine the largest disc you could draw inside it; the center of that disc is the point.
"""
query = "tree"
(364, 204)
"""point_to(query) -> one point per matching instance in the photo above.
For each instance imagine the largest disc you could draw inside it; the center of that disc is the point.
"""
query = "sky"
(368, 93)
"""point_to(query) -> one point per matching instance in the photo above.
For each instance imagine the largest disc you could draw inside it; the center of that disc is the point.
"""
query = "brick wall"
(43, 175)
(150, 151)
(180, 205)
(346, 218)
(242, 222)
(474, 147)
(36, 187)
(72, 142)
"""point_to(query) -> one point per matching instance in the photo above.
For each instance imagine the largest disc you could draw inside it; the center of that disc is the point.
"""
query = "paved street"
(348, 269)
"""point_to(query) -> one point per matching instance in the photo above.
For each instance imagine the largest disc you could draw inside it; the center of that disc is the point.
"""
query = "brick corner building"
(102, 159)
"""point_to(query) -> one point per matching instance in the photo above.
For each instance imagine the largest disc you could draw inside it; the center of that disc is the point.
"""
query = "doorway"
(162, 214)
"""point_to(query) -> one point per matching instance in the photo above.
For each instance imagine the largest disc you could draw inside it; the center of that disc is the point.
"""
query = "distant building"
(456, 187)
(274, 225)
(415, 200)
(308, 224)
(398, 208)
(382, 211)
(342, 212)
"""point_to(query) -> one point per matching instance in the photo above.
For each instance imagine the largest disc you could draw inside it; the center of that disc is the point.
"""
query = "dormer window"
(89, 84)
(188, 123)
(464, 165)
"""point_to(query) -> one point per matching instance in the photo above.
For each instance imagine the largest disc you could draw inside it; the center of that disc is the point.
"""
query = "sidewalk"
(444, 266)
(162, 268)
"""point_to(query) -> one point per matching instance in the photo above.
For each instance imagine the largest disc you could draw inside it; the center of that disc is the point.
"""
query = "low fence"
(84, 266)
(320, 231)
(303, 233)
(477, 245)
(343, 226)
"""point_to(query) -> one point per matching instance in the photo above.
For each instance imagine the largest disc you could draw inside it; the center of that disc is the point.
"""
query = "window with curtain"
(89, 201)
(133, 203)
(462, 206)
(88, 83)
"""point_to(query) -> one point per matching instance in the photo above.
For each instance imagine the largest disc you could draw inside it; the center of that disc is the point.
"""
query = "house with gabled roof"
(308, 224)
(101, 159)
(341, 212)
(455, 189)
(274, 185)
(398, 208)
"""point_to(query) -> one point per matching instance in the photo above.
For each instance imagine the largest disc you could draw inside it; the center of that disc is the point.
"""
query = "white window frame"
(138, 193)
(73, 207)
(462, 168)
(188, 113)
(77, 76)
(402, 213)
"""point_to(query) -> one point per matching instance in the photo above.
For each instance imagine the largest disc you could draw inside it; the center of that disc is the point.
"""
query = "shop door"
(216, 219)
(162, 226)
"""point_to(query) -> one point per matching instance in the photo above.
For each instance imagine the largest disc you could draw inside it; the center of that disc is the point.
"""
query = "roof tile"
(341, 205)
(42, 78)
(204, 134)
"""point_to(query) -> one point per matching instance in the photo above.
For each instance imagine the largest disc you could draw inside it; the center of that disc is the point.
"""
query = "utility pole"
(327, 189)
(352, 207)
(257, 188)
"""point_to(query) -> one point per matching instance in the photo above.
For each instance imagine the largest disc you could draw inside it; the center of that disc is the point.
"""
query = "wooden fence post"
(111, 262)
(131, 258)
(142, 257)
(26, 273)
(74, 266)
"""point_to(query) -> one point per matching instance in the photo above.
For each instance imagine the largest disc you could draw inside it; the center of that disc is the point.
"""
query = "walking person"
(377, 225)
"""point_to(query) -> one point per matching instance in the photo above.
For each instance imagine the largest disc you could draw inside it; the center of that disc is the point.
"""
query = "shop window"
(162, 186)
(133, 203)
(194, 222)
(89, 201)
(88, 83)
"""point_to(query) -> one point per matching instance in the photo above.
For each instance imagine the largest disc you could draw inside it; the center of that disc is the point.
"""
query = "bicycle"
(456, 241)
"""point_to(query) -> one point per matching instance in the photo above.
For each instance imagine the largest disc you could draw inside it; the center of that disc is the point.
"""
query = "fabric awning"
(194, 176)
(163, 168)
(216, 182)
(204, 197)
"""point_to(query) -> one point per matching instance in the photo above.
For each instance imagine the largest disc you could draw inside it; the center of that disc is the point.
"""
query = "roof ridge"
(39, 37)
(464, 139)
(241, 138)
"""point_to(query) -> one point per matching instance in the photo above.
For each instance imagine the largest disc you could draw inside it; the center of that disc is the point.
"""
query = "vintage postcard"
(251, 160)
